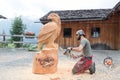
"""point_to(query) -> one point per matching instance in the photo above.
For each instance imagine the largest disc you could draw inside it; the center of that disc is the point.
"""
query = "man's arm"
(78, 49)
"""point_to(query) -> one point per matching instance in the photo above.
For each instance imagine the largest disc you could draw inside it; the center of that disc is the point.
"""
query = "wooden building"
(102, 27)
(2, 17)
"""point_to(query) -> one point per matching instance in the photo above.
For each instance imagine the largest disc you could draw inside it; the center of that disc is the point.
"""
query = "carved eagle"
(50, 31)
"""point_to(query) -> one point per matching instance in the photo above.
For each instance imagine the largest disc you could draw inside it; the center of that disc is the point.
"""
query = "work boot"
(92, 68)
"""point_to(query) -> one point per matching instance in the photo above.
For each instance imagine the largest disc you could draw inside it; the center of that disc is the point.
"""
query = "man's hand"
(73, 56)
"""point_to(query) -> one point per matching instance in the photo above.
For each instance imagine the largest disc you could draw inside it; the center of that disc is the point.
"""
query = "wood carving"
(50, 32)
(46, 60)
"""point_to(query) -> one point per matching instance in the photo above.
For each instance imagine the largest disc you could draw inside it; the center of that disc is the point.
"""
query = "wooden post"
(3, 35)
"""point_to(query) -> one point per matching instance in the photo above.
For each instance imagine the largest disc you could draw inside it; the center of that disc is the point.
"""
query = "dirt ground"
(16, 64)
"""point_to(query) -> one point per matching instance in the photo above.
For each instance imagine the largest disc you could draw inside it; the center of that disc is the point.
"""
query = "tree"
(18, 28)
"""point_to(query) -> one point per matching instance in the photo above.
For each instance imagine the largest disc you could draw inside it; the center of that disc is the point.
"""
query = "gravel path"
(16, 64)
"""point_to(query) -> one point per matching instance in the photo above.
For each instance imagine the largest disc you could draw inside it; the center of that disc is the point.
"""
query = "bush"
(26, 45)
(2, 45)
(11, 45)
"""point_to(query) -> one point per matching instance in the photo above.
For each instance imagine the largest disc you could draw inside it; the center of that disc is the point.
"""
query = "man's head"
(80, 33)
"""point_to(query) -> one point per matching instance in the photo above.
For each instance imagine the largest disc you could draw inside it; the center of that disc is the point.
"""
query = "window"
(95, 32)
(67, 32)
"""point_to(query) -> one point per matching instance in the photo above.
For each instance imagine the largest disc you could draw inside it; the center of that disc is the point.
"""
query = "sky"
(34, 9)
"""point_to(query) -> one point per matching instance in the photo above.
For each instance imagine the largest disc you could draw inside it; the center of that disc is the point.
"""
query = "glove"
(70, 48)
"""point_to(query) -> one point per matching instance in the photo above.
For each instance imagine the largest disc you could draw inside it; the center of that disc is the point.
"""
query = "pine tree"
(18, 28)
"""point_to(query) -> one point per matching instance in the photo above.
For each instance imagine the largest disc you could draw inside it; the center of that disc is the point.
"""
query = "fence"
(4, 39)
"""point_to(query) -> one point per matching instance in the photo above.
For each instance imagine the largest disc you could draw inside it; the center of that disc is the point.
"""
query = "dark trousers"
(82, 65)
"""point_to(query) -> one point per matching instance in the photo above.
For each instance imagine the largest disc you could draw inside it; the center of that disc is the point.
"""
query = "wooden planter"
(28, 36)
(45, 61)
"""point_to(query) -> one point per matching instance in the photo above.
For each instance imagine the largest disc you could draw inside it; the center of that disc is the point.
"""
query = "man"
(85, 62)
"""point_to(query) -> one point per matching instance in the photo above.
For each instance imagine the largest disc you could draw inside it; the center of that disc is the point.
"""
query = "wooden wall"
(109, 32)
(119, 30)
(119, 33)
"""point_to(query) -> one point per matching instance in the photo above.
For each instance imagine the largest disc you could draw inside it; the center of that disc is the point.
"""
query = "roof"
(117, 7)
(80, 15)
(83, 15)
(2, 17)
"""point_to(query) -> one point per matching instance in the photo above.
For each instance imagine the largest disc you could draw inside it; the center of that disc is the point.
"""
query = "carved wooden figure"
(50, 32)
(46, 60)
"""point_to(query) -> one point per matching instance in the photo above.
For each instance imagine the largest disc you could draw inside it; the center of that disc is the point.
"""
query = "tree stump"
(46, 61)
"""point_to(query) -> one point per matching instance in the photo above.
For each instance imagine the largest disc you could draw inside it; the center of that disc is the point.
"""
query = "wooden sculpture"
(46, 60)
(50, 32)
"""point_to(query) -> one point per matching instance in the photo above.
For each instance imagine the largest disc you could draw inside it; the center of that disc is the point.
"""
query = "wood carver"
(45, 61)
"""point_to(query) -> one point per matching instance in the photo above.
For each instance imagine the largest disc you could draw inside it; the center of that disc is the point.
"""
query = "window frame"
(95, 32)
(66, 34)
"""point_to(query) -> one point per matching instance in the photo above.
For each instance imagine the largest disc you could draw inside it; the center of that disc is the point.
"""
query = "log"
(46, 61)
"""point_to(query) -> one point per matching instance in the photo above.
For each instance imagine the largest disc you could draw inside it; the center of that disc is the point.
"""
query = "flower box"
(29, 34)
